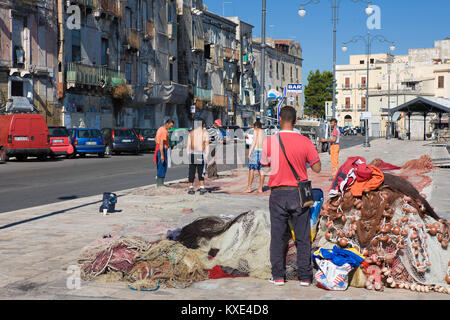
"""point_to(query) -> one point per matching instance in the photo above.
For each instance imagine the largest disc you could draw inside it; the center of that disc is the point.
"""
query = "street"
(32, 183)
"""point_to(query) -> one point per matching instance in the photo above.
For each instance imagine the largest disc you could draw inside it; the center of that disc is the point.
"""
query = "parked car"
(118, 140)
(178, 137)
(87, 141)
(249, 137)
(235, 133)
(23, 135)
(146, 138)
(60, 142)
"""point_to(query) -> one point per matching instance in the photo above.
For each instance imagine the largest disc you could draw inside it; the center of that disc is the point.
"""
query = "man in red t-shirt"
(284, 203)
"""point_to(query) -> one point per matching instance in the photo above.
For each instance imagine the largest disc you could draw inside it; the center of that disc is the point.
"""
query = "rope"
(140, 289)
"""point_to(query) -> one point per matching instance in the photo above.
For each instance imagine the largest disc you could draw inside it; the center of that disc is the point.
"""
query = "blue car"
(87, 141)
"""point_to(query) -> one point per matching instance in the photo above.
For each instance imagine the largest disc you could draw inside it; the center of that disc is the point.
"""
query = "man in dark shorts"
(284, 202)
(197, 149)
(254, 157)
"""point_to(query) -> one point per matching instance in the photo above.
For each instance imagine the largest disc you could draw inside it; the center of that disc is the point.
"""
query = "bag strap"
(284, 152)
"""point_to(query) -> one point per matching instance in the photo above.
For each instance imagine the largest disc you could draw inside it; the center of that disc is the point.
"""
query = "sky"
(408, 23)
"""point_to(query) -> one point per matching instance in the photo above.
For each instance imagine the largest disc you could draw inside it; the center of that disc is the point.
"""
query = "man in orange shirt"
(162, 145)
(334, 147)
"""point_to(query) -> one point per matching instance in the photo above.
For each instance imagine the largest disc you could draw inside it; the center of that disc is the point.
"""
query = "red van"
(23, 135)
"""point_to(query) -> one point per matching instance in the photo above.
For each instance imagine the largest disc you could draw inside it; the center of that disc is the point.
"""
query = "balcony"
(202, 94)
(84, 3)
(134, 39)
(150, 30)
(347, 86)
(361, 107)
(80, 74)
(228, 53)
(348, 107)
(219, 100)
(109, 6)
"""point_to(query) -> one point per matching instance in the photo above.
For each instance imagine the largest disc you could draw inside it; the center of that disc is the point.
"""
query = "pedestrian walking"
(214, 132)
(197, 149)
(161, 151)
(288, 153)
(334, 147)
(254, 157)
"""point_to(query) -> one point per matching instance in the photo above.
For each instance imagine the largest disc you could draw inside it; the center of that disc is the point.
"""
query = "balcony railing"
(81, 74)
(347, 106)
(203, 94)
(361, 107)
(198, 43)
(347, 86)
(219, 100)
(85, 3)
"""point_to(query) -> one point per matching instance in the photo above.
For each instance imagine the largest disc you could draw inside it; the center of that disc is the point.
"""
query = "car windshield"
(250, 131)
(89, 133)
(123, 133)
(58, 132)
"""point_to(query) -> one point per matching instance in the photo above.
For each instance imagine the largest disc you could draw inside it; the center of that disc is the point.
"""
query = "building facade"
(283, 66)
(28, 55)
(393, 80)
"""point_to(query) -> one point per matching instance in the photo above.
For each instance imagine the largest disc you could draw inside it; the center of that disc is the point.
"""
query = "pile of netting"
(143, 264)
(404, 241)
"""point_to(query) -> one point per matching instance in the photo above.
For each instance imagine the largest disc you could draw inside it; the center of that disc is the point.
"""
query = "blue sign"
(269, 112)
(294, 88)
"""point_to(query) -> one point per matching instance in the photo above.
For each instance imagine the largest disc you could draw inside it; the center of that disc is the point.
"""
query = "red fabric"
(384, 166)
(363, 172)
(346, 175)
(155, 158)
(299, 150)
(216, 273)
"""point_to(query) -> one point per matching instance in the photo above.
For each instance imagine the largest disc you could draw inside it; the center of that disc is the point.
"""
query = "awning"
(423, 105)
(167, 93)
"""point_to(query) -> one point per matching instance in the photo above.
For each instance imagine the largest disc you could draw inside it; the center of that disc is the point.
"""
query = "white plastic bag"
(331, 276)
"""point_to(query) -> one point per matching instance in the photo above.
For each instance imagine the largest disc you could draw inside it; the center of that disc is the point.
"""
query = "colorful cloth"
(346, 175)
(376, 179)
(255, 160)
(334, 157)
(299, 150)
(340, 256)
(331, 276)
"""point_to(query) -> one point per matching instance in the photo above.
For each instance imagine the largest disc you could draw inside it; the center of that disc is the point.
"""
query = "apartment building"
(283, 66)
(393, 80)
(28, 54)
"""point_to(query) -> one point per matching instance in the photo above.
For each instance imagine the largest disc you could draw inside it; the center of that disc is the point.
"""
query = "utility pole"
(263, 60)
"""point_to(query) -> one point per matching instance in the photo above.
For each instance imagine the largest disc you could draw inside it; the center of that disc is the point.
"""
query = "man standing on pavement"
(197, 149)
(161, 150)
(284, 202)
(214, 132)
(334, 147)
(254, 157)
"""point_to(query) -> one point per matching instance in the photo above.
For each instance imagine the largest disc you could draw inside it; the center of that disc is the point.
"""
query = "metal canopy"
(424, 105)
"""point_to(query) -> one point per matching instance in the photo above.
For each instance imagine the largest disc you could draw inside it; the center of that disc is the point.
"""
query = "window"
(128, 72)
(296, 74)
(17, 88)
(105, 52)
(129, 18)
(372, 60)
(363, 82)
(440, 82)
(361, 61)
(144, 74)
(347, 82)
(347, 103)
(171, 71)
(76, 46)
(363, 102)
(144, 16)
(278, 75)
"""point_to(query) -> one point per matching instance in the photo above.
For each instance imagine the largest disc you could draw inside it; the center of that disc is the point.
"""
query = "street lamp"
(368, 43)
(335, 18)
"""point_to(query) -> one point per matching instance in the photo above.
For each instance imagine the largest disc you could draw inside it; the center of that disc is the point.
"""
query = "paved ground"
(32, 183)
(38, 244)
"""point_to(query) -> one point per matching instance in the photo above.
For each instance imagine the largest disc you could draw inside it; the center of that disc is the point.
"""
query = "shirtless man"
(254, 157)
(197, 148)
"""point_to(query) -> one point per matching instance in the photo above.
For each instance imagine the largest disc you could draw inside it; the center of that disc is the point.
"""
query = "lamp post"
(368, 43)
(334, 18)
(398, 73)
(263, 60)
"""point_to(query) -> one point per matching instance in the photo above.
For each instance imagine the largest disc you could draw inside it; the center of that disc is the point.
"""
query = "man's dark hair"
(169, 121)
(288, 114)
(258, 124)
(333, 120)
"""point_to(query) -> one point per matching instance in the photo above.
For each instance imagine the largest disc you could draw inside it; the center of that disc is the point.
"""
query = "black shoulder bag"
(304, 187)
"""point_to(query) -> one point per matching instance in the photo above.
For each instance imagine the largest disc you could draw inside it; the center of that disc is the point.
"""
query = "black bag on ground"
(109, 202)
(304, 187)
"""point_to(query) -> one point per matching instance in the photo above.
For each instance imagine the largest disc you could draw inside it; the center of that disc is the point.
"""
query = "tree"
(318, 90)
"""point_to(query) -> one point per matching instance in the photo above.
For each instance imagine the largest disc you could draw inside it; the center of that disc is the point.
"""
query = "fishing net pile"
(145, 265)
(386, 218)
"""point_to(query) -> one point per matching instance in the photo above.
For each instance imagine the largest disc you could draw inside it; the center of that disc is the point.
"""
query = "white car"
(249, 137)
